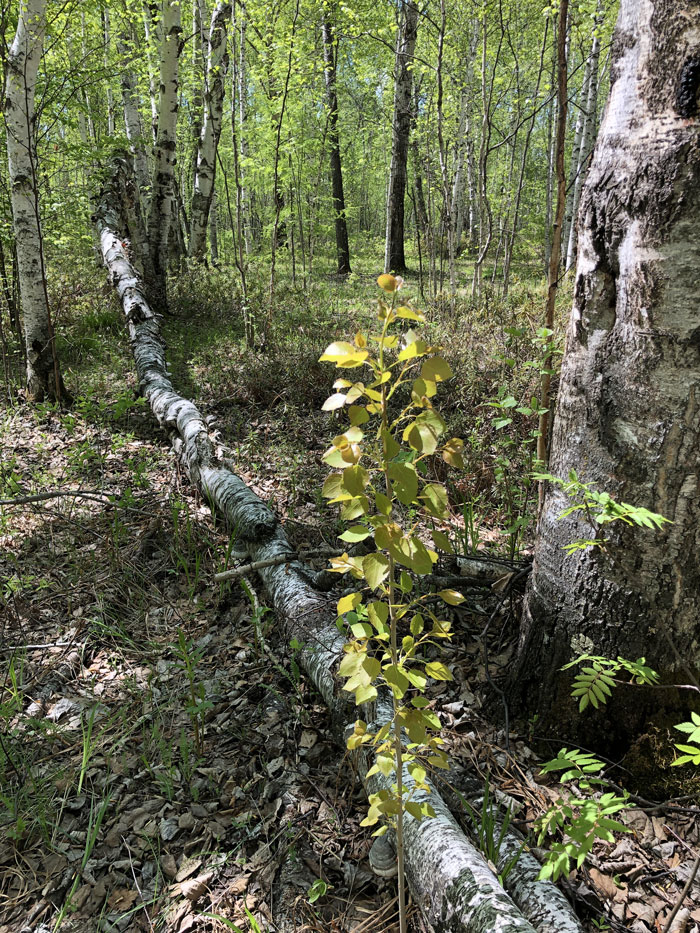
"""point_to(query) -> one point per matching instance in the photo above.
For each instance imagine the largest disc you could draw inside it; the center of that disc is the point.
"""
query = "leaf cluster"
(379, 484)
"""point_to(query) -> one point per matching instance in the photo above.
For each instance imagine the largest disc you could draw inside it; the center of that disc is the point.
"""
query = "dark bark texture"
(330, 51)
(628, 413)
(394, 257)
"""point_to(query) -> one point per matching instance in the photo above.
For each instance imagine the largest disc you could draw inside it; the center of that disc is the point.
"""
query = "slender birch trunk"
(217, 63)
(575, 153)
(153, 30)
(330, 55)
(43, 373)
(394, 256)
(106, 31)
(585, 150)
(555, 257)
(132, 114)
(510, 244)
(162, 208)
(242, 83)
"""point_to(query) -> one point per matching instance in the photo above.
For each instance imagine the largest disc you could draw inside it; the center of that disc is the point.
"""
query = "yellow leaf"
(387, 282)
(409, 314)
(337, 351)
(347, 603)
(451, 597)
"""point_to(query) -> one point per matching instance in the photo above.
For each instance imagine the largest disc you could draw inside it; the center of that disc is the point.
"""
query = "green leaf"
(434, 497)
(332, 486)
(436, 370)
(410, 315)
(364, 694)
(354, 534)
(383, 503)
(414, 349)
(404, 482)
(395, 676)
(437, 670)
(441, 541)
(355, 478)
(358, 414)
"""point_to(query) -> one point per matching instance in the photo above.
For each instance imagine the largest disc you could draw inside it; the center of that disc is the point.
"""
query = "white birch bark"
(217, 62)
(627, 415)
(153, 31)
(43, 378)
(162, 210)
(450, 879)
(132, 118)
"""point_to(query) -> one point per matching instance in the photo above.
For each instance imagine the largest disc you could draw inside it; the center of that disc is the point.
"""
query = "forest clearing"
(350, 518)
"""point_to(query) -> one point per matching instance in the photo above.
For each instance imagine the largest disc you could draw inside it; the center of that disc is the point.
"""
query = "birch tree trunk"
(628, 414)
(217, 63)
(132, 115)
(587, 140)
(394, 257)
(575, 153)
(162, 208)
(43, 374)
(330, 53)
(110, 94)
(153, 29)
(242, 84)
(555, 256)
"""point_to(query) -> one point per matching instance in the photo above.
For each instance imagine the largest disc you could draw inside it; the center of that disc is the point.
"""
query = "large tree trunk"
(43, 374)
(628, 415)
(217, 63)
(330, 52)
(162, 210)
(450, 879)
(394, 257)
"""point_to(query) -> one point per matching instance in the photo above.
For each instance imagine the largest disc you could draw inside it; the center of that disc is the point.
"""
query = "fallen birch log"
(449, 878)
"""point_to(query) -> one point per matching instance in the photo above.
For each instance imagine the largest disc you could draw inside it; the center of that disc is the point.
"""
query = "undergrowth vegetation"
(128, 668)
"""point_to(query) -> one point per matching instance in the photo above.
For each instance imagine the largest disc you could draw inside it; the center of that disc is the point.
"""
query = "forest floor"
(124, 808)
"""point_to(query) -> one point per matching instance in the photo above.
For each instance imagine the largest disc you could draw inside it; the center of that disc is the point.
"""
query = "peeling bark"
(449, 877)
(628, 413)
